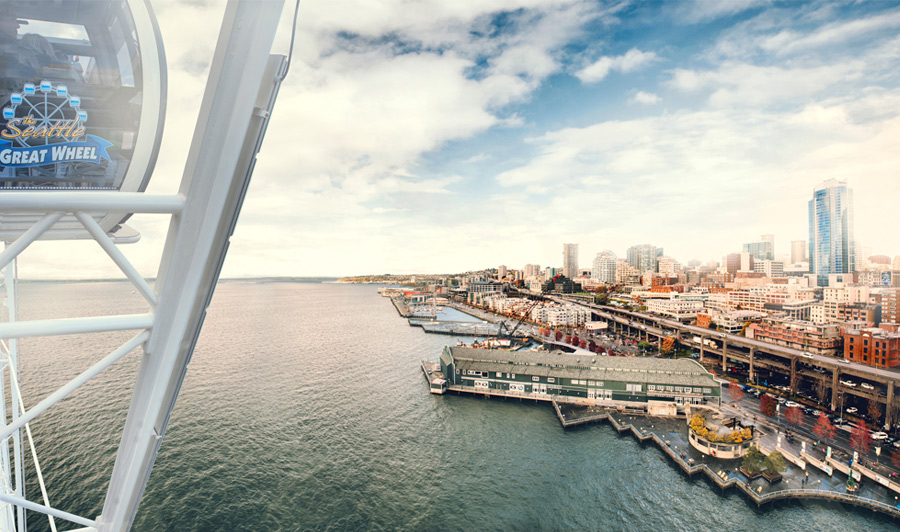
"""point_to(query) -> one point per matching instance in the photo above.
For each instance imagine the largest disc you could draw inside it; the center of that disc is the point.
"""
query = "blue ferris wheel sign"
(41, 132)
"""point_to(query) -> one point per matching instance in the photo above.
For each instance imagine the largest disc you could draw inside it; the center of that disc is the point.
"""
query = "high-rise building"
(604, 267)
(570, 260)
(643, 257)
(532, 270)
(832, 246)
(732, 263)
(501, 272)
(764, 250)
(770, 239)
(798, 251)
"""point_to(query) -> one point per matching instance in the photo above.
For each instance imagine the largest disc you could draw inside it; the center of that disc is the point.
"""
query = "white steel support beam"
(26, 329)
(216, 175)
(75, 383)
(90, 201)
(117, 256)
(28, 237)
(26, 504)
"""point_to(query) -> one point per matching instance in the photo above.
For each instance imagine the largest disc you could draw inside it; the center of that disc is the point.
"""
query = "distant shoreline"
(223, 280)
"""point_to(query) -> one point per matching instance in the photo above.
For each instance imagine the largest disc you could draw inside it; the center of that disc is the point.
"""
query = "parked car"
(848, 383)
(816, 413)
(879, 435)
(791, 404)
(852, 410)
(867, 386)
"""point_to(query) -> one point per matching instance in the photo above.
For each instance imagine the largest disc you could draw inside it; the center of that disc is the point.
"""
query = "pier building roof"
(649, 370)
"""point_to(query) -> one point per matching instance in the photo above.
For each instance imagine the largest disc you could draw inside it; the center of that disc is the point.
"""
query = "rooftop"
(652, 370)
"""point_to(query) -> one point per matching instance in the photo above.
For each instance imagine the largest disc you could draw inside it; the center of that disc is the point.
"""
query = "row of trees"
(572, 340)
(860, 437)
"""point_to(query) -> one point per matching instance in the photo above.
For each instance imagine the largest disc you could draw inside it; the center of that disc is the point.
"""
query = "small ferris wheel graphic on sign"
(43, 114)
(45, 135)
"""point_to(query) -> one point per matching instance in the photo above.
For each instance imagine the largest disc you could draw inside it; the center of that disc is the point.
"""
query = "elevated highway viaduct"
(795, 364)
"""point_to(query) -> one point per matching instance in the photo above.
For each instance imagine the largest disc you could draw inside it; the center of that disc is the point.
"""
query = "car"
(852, 410)
(867, 386)
(806, 355)
(816, 412)
(845, 361)
(791, 404)
(849, 383)
(879, 435)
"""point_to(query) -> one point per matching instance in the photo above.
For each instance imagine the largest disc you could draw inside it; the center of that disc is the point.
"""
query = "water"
(305, 409)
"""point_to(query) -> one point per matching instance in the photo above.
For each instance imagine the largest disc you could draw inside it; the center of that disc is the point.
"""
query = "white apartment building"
(626, 273)
(680, 309)
(561, 315)
(604, 267)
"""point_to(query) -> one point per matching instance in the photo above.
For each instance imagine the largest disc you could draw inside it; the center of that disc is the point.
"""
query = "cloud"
(742, 84)
(694, 11)
(651, 178)
(631, 60)
(645, 97)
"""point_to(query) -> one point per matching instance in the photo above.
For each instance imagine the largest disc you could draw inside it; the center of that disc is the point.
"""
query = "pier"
(570, 415)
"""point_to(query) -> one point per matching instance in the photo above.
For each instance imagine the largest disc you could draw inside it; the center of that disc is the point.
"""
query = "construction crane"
(527, 310)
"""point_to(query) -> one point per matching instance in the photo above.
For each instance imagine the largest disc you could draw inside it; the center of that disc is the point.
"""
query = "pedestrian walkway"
(798, 482)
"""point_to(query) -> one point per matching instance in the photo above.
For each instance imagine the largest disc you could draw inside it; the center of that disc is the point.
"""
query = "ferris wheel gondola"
(82, 93)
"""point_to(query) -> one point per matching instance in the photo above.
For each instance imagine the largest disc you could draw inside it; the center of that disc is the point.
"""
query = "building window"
(633, 387)
(499, 374)
(551, 379)
(536, 379)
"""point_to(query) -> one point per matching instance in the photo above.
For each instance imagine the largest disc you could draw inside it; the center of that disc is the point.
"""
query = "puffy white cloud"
(631, 60)
(645, 97)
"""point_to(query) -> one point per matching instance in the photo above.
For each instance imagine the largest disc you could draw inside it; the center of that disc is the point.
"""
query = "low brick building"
(873, 346)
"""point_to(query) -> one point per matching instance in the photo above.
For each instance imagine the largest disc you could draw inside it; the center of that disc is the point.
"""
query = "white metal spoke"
(24, 503)
(37, 465)
(91, 201)
(75, 383)
(25, 329)
(118, 257)
(28, 237)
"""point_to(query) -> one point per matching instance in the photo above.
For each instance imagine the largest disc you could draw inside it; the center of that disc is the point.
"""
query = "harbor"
(806, 477)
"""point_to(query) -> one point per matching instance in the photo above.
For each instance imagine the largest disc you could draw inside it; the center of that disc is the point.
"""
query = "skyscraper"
(832, 246)
(570, 260)
(643, 257)
(798, 251)
(763, 250)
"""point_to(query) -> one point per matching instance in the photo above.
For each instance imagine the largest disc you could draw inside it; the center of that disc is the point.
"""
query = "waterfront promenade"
(799, 483)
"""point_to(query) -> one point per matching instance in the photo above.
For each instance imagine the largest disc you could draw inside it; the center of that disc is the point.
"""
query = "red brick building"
(873, 347)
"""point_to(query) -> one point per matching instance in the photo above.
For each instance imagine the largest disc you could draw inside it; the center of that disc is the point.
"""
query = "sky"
(438, 137)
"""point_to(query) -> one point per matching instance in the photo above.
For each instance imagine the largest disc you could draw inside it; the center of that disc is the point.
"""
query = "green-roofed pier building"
(652, 386)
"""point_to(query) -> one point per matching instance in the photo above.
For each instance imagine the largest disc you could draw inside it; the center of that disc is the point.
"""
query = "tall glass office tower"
(832, 246)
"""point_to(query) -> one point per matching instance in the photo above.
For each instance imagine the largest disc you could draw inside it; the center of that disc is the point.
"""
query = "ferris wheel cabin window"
(76, 112)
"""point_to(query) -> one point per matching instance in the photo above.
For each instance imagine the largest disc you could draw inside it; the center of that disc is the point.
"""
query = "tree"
(793, 415)
(775, 463)
(583, 344)
(861, 439)
(735, 392)
(874, 412)
(753, 460)
(767, 405)
(559, 335)
(824, 430)
(592, 346)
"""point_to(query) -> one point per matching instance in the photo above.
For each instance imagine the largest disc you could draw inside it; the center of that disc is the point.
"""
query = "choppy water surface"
(305, 409)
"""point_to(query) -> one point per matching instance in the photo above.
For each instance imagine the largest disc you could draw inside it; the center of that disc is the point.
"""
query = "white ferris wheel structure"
(243, 83)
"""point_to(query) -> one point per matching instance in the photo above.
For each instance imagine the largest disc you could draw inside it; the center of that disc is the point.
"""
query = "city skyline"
(432, 137)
